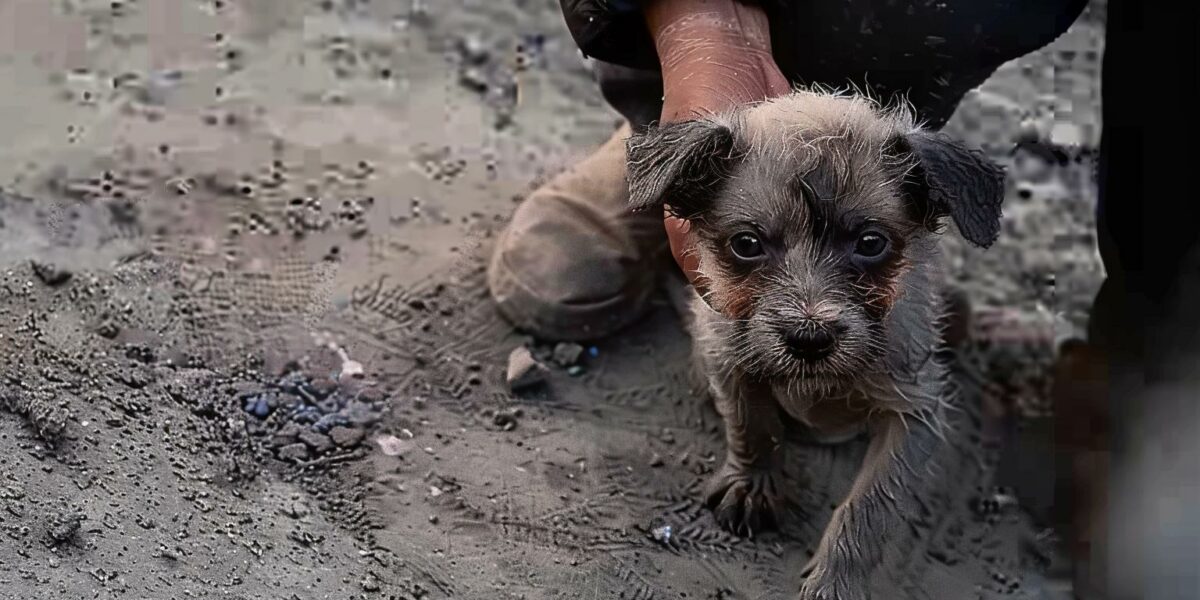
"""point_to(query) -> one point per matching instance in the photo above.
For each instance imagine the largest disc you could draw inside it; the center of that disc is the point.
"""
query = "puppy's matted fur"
(819, 296)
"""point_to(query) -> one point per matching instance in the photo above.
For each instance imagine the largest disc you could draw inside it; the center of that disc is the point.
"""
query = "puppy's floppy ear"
(678, 164)
(951, 179)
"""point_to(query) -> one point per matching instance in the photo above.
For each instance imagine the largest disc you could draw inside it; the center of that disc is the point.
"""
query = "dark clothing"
(931, 51)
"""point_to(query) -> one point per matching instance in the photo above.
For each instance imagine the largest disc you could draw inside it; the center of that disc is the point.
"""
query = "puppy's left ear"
(951, 179)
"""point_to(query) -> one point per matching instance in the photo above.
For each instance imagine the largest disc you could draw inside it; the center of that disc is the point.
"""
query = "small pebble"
(50, 274)
(662, 534)
(261, 408)
(392, 445)
(567, 353)
(473, 50)
(524, 371)
(351, 368)
(294, 452)
(505, 421)
(346, 437)
(370, 584)
(318, 441)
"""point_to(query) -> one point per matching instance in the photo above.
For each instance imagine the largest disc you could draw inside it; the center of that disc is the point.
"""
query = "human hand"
(715, 56)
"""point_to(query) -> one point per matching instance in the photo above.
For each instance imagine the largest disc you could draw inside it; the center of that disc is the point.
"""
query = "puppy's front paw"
(812, 590)
(743, 501)
(827, 584)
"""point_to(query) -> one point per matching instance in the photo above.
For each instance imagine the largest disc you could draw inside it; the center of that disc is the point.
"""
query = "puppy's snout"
(810, 342)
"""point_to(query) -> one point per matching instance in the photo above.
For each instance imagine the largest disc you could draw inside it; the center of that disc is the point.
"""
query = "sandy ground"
(256, 359)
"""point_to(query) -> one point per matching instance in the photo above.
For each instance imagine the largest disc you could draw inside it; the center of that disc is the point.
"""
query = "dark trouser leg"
(1144, 529)
(635, 93)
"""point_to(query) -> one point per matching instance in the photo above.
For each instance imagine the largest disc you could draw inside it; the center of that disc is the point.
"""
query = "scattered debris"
(294, 452)
(662, 535)
(567, 354)
(346, 437)
(319, 442)
(63, 527)
(392, 445)
(524, 371)
(352, 368)
(50, 274)
(507, 420)
(370, 583)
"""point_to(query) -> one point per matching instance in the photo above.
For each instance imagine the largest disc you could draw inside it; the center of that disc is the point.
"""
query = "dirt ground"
(246, 350)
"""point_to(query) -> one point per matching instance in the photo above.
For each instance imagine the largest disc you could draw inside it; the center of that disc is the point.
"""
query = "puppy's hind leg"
(852, 544)
(744, 494)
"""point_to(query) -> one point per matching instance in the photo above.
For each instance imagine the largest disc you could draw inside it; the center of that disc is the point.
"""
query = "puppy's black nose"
(810, 343)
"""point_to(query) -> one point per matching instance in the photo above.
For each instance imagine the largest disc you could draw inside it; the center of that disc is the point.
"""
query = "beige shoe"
(574, 264)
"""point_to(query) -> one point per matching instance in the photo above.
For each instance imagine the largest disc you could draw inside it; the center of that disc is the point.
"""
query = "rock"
(656, 460)
(392, 445)
(351, 368)
(286, 434)
(63, 527)
(50, 274)
(662, 534)
(294, 452)
(258, 406)
(567, 354)
(472, 49)
(322, 387)
(316, 440)
(346, 437)
(361, 415)
(329, 421)
(370, 583)
(108, 329)
(473, 79)
(524, 370)
(505, 421)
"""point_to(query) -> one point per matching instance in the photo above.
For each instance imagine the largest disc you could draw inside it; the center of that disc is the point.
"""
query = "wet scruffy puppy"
(819, 300)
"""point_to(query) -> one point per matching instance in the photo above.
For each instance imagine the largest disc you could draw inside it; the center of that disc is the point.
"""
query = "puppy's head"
(813, 212)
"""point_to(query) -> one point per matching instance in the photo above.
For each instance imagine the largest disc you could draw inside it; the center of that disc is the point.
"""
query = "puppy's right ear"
(678, 164)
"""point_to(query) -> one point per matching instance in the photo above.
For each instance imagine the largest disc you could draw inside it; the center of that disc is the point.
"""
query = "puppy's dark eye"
(870, 245)
(746, 246)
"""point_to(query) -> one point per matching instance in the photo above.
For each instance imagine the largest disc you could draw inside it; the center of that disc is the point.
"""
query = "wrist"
(676, 22)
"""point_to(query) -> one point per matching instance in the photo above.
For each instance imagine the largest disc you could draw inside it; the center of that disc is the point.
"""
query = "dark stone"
(319, 442)
(294, 452)
(49, 273)
(346, 437)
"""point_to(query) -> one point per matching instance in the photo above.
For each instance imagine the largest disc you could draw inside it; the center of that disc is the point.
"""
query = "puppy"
(819, 300)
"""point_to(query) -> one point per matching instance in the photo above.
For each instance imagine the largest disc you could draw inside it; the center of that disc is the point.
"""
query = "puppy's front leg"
(744, 495)
(852, 545)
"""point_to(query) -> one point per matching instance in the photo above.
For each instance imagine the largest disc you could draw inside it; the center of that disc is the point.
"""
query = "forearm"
(714, 55)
